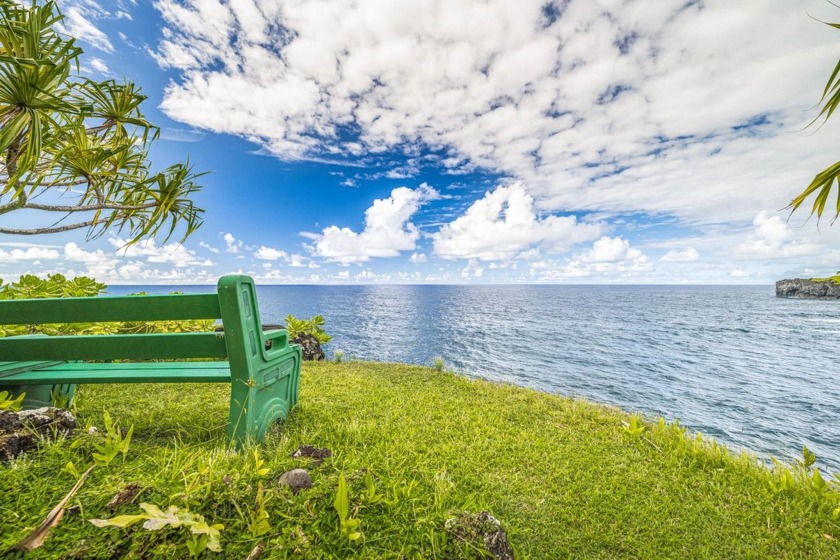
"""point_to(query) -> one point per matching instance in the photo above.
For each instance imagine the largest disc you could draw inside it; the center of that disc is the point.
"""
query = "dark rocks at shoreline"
(807, 289)
(21, 431)
(309, 347)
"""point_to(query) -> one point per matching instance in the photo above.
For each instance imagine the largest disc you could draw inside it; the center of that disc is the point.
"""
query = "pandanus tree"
(74, 152)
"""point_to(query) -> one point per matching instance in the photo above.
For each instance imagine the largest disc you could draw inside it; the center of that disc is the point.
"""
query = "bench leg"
(256, 403)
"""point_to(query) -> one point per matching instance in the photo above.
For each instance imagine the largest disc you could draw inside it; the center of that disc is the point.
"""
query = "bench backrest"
(235, 304)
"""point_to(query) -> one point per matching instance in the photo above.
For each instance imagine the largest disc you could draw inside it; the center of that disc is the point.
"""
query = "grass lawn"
(565, 477)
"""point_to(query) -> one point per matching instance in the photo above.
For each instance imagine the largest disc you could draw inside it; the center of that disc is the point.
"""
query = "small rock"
(317, 454)
(124, 496)
(309, 347)
(92, 431)
(472, 527)
(296, 480)
(21, 431)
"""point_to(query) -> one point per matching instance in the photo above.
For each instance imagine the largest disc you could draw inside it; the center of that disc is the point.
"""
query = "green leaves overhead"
(77, 146)
(824, 181)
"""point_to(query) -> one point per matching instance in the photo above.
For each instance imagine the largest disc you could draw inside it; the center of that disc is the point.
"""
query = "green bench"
(262, 368)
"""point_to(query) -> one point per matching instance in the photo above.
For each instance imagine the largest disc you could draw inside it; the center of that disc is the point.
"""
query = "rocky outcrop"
(21, 431)
(807, 289)
(309, 347)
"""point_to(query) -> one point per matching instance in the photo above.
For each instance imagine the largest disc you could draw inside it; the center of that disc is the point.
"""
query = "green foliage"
(636, 426)
(58, 286)
(439, 363)
(201, 536)
(824, 181)
(346, 524)
(7, 403)
(76, 151)
(833, 279)
(115, 442)
(338, 356)
(313, 326)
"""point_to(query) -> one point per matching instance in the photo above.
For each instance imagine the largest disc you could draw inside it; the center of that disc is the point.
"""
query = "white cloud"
(271, 254)
(28, 254)
(233, 245)
(387, 229)
(504, 223)
(772, 238)
(79, 24)
(98, 263)
(688, 255)
(174, 253)
(608, 258)
(620, 107)
(473, 269)
(99, 65)
(208, 247)
(417, 258)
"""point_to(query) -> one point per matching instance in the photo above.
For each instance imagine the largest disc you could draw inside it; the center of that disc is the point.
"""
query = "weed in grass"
(346, 524)
(439, 363)
(338, 355)
(11, 404)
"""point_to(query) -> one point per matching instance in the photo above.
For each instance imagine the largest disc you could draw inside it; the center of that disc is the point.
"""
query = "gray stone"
(317, 454)
(309, 347)
(807, 289)
(296, 480)
(482, 529)
(21, 431)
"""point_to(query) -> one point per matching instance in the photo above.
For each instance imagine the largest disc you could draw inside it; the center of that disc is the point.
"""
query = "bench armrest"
(274, 342)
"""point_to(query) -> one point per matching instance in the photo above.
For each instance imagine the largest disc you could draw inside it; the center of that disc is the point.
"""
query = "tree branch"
(40, 231)
(87, 208)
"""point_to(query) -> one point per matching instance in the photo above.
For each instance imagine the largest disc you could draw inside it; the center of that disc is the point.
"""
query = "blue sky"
(470, 142)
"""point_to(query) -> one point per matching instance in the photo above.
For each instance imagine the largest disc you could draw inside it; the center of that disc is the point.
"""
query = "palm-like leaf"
(71, 137)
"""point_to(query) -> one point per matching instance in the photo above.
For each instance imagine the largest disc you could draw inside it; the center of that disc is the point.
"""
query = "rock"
(311, 452)
(807, 289)
(124, 496)
(482, 529)
(296, 480)
(21, 431)
(309, 346)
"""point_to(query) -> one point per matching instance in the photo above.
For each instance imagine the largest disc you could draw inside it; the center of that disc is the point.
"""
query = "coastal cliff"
(807, 289)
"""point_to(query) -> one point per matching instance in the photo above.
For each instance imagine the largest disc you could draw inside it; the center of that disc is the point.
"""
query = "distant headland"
(813, 288)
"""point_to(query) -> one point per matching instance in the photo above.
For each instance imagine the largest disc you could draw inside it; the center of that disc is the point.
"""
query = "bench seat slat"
(114, 347)
(181, 372)
(173, 307)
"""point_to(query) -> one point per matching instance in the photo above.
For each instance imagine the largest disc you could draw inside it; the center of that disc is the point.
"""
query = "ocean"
(732, 362)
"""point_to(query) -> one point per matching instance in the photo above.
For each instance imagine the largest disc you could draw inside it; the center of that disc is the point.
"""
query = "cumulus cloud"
(232, 244)
(98, 263)
(616, 108)
(771, 237)
(608, 257)
(688, 255)
(417, 258)
(271, 254)
(209, 247)
(387, 231)
(174, 253)
(504, 223)
(28, 254)
(78, 21)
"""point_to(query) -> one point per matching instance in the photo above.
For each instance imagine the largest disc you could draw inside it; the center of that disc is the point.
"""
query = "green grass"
(566, 477)
(833, 279)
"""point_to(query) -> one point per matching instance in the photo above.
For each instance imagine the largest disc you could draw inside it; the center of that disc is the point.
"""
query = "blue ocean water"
(733, 362)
